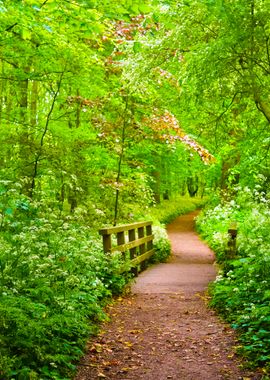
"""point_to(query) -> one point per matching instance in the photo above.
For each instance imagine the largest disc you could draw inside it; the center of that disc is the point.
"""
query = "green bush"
(168, 210)
(54, 277)
(242, 294)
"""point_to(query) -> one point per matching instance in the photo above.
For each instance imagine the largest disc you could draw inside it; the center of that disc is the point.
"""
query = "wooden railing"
(135, 241)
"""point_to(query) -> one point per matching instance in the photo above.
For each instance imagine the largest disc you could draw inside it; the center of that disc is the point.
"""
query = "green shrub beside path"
(241, 292)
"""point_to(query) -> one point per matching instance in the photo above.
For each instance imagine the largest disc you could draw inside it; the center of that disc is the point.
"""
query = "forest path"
(163, 329)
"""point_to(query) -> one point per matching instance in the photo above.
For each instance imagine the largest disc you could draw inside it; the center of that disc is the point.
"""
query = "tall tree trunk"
(193, 185)
(39, 152)
(156, 186)
(261, 104)
(2, 86)
(23, 101)
(120, 160)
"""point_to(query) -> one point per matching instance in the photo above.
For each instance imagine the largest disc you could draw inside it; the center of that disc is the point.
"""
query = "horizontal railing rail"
(135, 241)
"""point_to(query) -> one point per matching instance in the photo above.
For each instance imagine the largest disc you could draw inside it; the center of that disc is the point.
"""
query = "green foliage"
(241, 291)
(168, 210)
(54, 277)
(213, 226)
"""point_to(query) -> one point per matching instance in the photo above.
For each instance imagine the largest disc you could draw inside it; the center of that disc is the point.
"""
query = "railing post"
(120, 236)
(142, 246)
(132, 237)
(107, 243)
(232, 231)
(149, 232)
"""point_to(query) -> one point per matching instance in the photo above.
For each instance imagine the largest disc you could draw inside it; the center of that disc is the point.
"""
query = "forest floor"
(163, 329)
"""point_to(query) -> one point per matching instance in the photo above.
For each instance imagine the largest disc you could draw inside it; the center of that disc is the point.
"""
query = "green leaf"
(26, 34)
(144, 8)
(137, 47)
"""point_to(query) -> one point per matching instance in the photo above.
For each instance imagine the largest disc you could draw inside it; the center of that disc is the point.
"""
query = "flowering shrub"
(162, 244)
(242, 294)
(213, 225)
(54, 277)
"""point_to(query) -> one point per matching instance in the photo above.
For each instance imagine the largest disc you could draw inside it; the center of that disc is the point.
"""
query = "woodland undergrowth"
(241, 292)
(54, 282)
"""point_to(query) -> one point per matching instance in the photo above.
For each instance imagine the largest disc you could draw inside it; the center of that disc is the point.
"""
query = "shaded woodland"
(117, 112)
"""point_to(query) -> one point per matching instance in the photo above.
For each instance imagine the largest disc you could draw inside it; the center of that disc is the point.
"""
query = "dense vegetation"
(54, 280)
(241, 291)
(109, 113)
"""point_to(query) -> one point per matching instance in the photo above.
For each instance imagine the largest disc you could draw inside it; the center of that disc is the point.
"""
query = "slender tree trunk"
(120, 160)
(261, 104)
(23, 101)
(41, 144)
(156, 187)
(9, 102)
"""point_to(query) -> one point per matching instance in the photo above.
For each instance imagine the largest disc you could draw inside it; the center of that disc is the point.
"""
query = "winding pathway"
(163, 329)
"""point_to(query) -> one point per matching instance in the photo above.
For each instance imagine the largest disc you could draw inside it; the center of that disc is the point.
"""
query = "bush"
(54, 277)
(168, 210)
(242, 294)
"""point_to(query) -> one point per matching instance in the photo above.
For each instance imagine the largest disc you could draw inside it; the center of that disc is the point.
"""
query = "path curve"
(163, 329)
(188, 271)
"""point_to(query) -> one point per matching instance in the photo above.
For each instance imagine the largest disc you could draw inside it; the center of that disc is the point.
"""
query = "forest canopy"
(90, 90)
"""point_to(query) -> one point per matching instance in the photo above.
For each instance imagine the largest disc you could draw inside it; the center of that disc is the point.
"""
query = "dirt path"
(164, 330)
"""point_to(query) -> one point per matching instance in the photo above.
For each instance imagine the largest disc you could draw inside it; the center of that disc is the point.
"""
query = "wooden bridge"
(134, 241)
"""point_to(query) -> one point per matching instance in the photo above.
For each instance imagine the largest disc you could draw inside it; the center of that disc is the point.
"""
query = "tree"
(214, 58)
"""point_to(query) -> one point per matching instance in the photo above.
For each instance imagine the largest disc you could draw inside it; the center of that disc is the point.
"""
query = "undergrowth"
(241, 292)
(54, 278)
(168, 210)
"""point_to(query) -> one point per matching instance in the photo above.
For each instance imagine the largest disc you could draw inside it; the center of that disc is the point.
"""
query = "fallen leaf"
(111, 363)
(96, 348)
(128, 344)
(125, 369)
(135, 331)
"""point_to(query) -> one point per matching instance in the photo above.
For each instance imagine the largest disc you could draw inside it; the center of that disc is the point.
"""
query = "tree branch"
(39, 153)
(9, 28)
